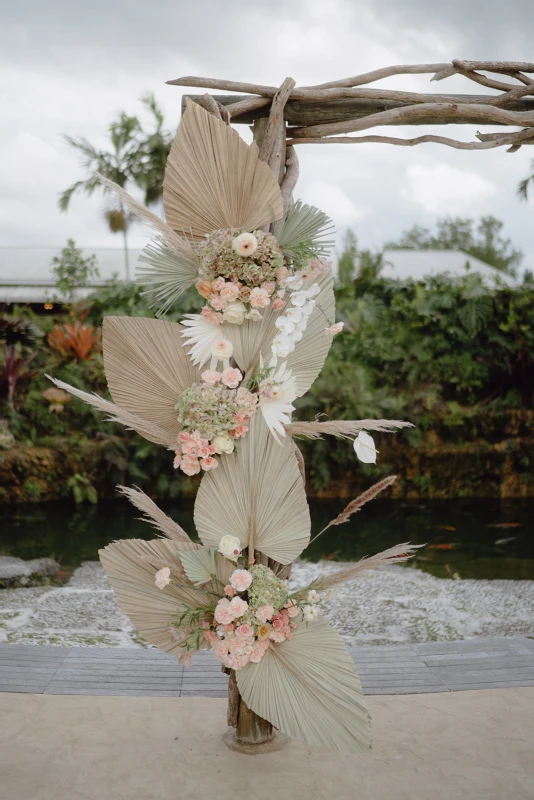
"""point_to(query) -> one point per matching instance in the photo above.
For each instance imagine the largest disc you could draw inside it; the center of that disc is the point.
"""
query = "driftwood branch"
(326, 112)
(291, 176)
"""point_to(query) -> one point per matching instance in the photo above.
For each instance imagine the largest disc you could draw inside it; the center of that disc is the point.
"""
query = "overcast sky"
(69, 67)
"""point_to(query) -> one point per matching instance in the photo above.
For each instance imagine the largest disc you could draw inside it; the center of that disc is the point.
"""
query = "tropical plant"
(17, 335)
(75, 341)
(72, 271)
(135, 156)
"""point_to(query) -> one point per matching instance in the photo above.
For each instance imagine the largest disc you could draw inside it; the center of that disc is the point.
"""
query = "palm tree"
(135, 156)
(522, 189)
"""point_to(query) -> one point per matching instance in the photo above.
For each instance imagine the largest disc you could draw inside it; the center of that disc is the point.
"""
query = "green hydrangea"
(266, 588)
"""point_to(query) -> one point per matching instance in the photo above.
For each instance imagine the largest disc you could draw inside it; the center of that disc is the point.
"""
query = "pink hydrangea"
(240, 579)
(231, 377)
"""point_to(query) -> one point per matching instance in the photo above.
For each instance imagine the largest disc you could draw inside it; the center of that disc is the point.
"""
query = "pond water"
(466, 539)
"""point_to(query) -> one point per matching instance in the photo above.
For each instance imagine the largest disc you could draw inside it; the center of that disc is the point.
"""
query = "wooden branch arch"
(287, 116)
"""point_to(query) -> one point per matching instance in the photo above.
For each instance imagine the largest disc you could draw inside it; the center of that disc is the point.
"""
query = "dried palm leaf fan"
(287, 669)
(214, 180)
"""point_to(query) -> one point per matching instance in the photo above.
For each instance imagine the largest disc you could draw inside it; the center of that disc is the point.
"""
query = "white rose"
(245, 244)
(223, 443)
(365, 449)
(230, 547)
(222, 348)
(254, 315)
(235, 312)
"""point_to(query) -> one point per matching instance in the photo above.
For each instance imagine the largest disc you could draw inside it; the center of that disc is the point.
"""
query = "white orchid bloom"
(276, 405)
(308, 308)
(294, 314)
(285, 325)
(313, 290)
(295, 282)
(298, 298)
(364, 448)
(282, 345)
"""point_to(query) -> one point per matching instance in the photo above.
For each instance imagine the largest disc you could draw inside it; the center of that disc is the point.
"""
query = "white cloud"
(334, 202)
(442, 189)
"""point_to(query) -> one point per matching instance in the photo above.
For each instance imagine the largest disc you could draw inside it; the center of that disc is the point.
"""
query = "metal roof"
(26, 276)
(420, 264)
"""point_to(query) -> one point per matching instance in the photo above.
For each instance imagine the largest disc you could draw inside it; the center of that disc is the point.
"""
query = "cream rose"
(245, 244)
(235, 312)
(230, 547)
(222, 348)
(223, 443)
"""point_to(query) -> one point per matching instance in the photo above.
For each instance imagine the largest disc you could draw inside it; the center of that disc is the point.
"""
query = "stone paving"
(392, 606)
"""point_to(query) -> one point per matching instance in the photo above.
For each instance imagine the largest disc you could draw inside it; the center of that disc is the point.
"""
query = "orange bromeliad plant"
(79, 341)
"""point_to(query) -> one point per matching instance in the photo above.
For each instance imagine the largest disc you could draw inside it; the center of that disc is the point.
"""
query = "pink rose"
(278, 304)
(223, 613)
(211, 376)
(264, 613)
(244, 631)
(292, 611)
(282, 275)
(212, 316)
(240, 579)
(277, 636)
(244, 294)
(184, 436)
(229, 292)
(269, 287)
(278, 624)
(209, 463)
(231, 377)
(217, 302)
(218, 284)
(240, 431)
(229, 591)
(334, 329)
(259, 298)
(238, 607)
(163, 577)
(190, 466)
(257, 653)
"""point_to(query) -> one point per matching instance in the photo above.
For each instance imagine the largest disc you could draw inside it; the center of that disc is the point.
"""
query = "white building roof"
(419, 264)
(26, 276)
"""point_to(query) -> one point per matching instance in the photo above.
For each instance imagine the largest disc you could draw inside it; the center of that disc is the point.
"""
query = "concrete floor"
(457, 746)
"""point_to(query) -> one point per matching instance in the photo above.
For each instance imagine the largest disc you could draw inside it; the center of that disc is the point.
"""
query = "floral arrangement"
(241, 274)
(254, 613)
(213, 415)
(223, 383)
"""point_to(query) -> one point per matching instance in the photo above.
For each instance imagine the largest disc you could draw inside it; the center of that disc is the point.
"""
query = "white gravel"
(389, 606)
